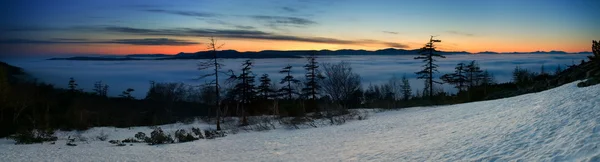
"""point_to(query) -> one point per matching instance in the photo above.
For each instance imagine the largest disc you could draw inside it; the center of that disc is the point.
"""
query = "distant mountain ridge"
(287, 54)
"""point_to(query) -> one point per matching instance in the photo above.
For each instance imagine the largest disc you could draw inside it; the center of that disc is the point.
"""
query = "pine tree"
(558, 70)
(487, 78)
(311, 86)
(406, 89)
(100, 89)
(288, 80)
(473, 74)
(127, 93)
(458, 78)
(72, 85)
(596, 51)
(428, 55)
(265, 90)
(542, 70)
(245, 87)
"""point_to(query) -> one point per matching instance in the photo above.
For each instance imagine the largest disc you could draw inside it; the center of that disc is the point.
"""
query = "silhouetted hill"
(286, 54)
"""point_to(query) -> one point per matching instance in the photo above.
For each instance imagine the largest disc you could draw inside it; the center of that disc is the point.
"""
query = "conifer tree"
(72, 85)
(428, 55)
(473, 74)
(458, 78)
(100, 89)
(127, 93)
(265, 90)
(311, 86)
(406, 89)
(245, 88)
(288, 90)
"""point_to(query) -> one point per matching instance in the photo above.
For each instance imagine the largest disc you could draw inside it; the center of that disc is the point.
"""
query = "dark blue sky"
(158, 26)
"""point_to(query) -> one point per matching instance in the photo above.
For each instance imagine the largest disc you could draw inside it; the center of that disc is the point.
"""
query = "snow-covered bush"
(263, 123)
(130, 140)
(183, 136)
(159, 137)
(297, 122)
(33, 136)
(198, 133)
(141, 136)
(102, 136)
(212, 134)
(78, 137)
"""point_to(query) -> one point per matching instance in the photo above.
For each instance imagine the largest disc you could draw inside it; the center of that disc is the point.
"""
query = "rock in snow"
(561, 124)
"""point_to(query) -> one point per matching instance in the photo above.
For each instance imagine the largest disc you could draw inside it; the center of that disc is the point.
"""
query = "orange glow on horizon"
(251, 45)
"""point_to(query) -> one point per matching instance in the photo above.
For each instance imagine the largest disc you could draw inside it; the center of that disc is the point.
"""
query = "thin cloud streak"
(460, 33)
(184, 13)
(146, 41)
(244, 34)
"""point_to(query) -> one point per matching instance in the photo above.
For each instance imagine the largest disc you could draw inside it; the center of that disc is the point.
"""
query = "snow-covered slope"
(562, 124)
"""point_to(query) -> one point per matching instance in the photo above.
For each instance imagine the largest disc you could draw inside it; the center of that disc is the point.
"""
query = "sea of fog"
(120, 75)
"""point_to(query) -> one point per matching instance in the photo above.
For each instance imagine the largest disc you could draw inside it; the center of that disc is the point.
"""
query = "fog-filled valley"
(120, 75)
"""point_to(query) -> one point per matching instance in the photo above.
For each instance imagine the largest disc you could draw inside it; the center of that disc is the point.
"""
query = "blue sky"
(143, 26)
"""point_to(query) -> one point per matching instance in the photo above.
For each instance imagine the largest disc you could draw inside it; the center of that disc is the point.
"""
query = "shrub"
(589, 82)
(102, 136)
(141, 136)
(114, 142)
(183, 136)
(263, 124)
(33, 136)
(198, 133)
(130, 140)
(159, 137)
(78, 138)
(296, 122)
(212, 134)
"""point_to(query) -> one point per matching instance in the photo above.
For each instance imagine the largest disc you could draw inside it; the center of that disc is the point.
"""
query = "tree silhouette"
(265, 90)
(245, 87)
(311, 86)
(127, 93)
(595, 50)
(406, 89)
(458, 78)
(288, 80)
(213, 64)
(72, 85)
(100, 89)
(340, 82)
(428, 55)
(473, 74)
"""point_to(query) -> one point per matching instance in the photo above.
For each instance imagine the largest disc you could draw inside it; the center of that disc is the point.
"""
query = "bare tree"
(394, 86)
(214, 66)
(340, 82)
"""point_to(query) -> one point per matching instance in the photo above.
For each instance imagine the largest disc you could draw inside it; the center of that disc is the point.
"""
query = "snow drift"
(561, 124)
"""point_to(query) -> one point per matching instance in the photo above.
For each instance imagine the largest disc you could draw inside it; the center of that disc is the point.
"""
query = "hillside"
(229, 54)
(560, 124)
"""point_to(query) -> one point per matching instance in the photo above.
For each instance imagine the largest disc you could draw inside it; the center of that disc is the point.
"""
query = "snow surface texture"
(561, 124)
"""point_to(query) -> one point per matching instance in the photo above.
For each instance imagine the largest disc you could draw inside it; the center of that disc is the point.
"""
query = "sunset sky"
(169, 27)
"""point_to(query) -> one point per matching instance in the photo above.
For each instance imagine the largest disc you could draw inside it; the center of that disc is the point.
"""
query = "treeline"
(27, 104)
(325, 90)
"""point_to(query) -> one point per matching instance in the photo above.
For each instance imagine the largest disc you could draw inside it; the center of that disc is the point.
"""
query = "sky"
(43, 27)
